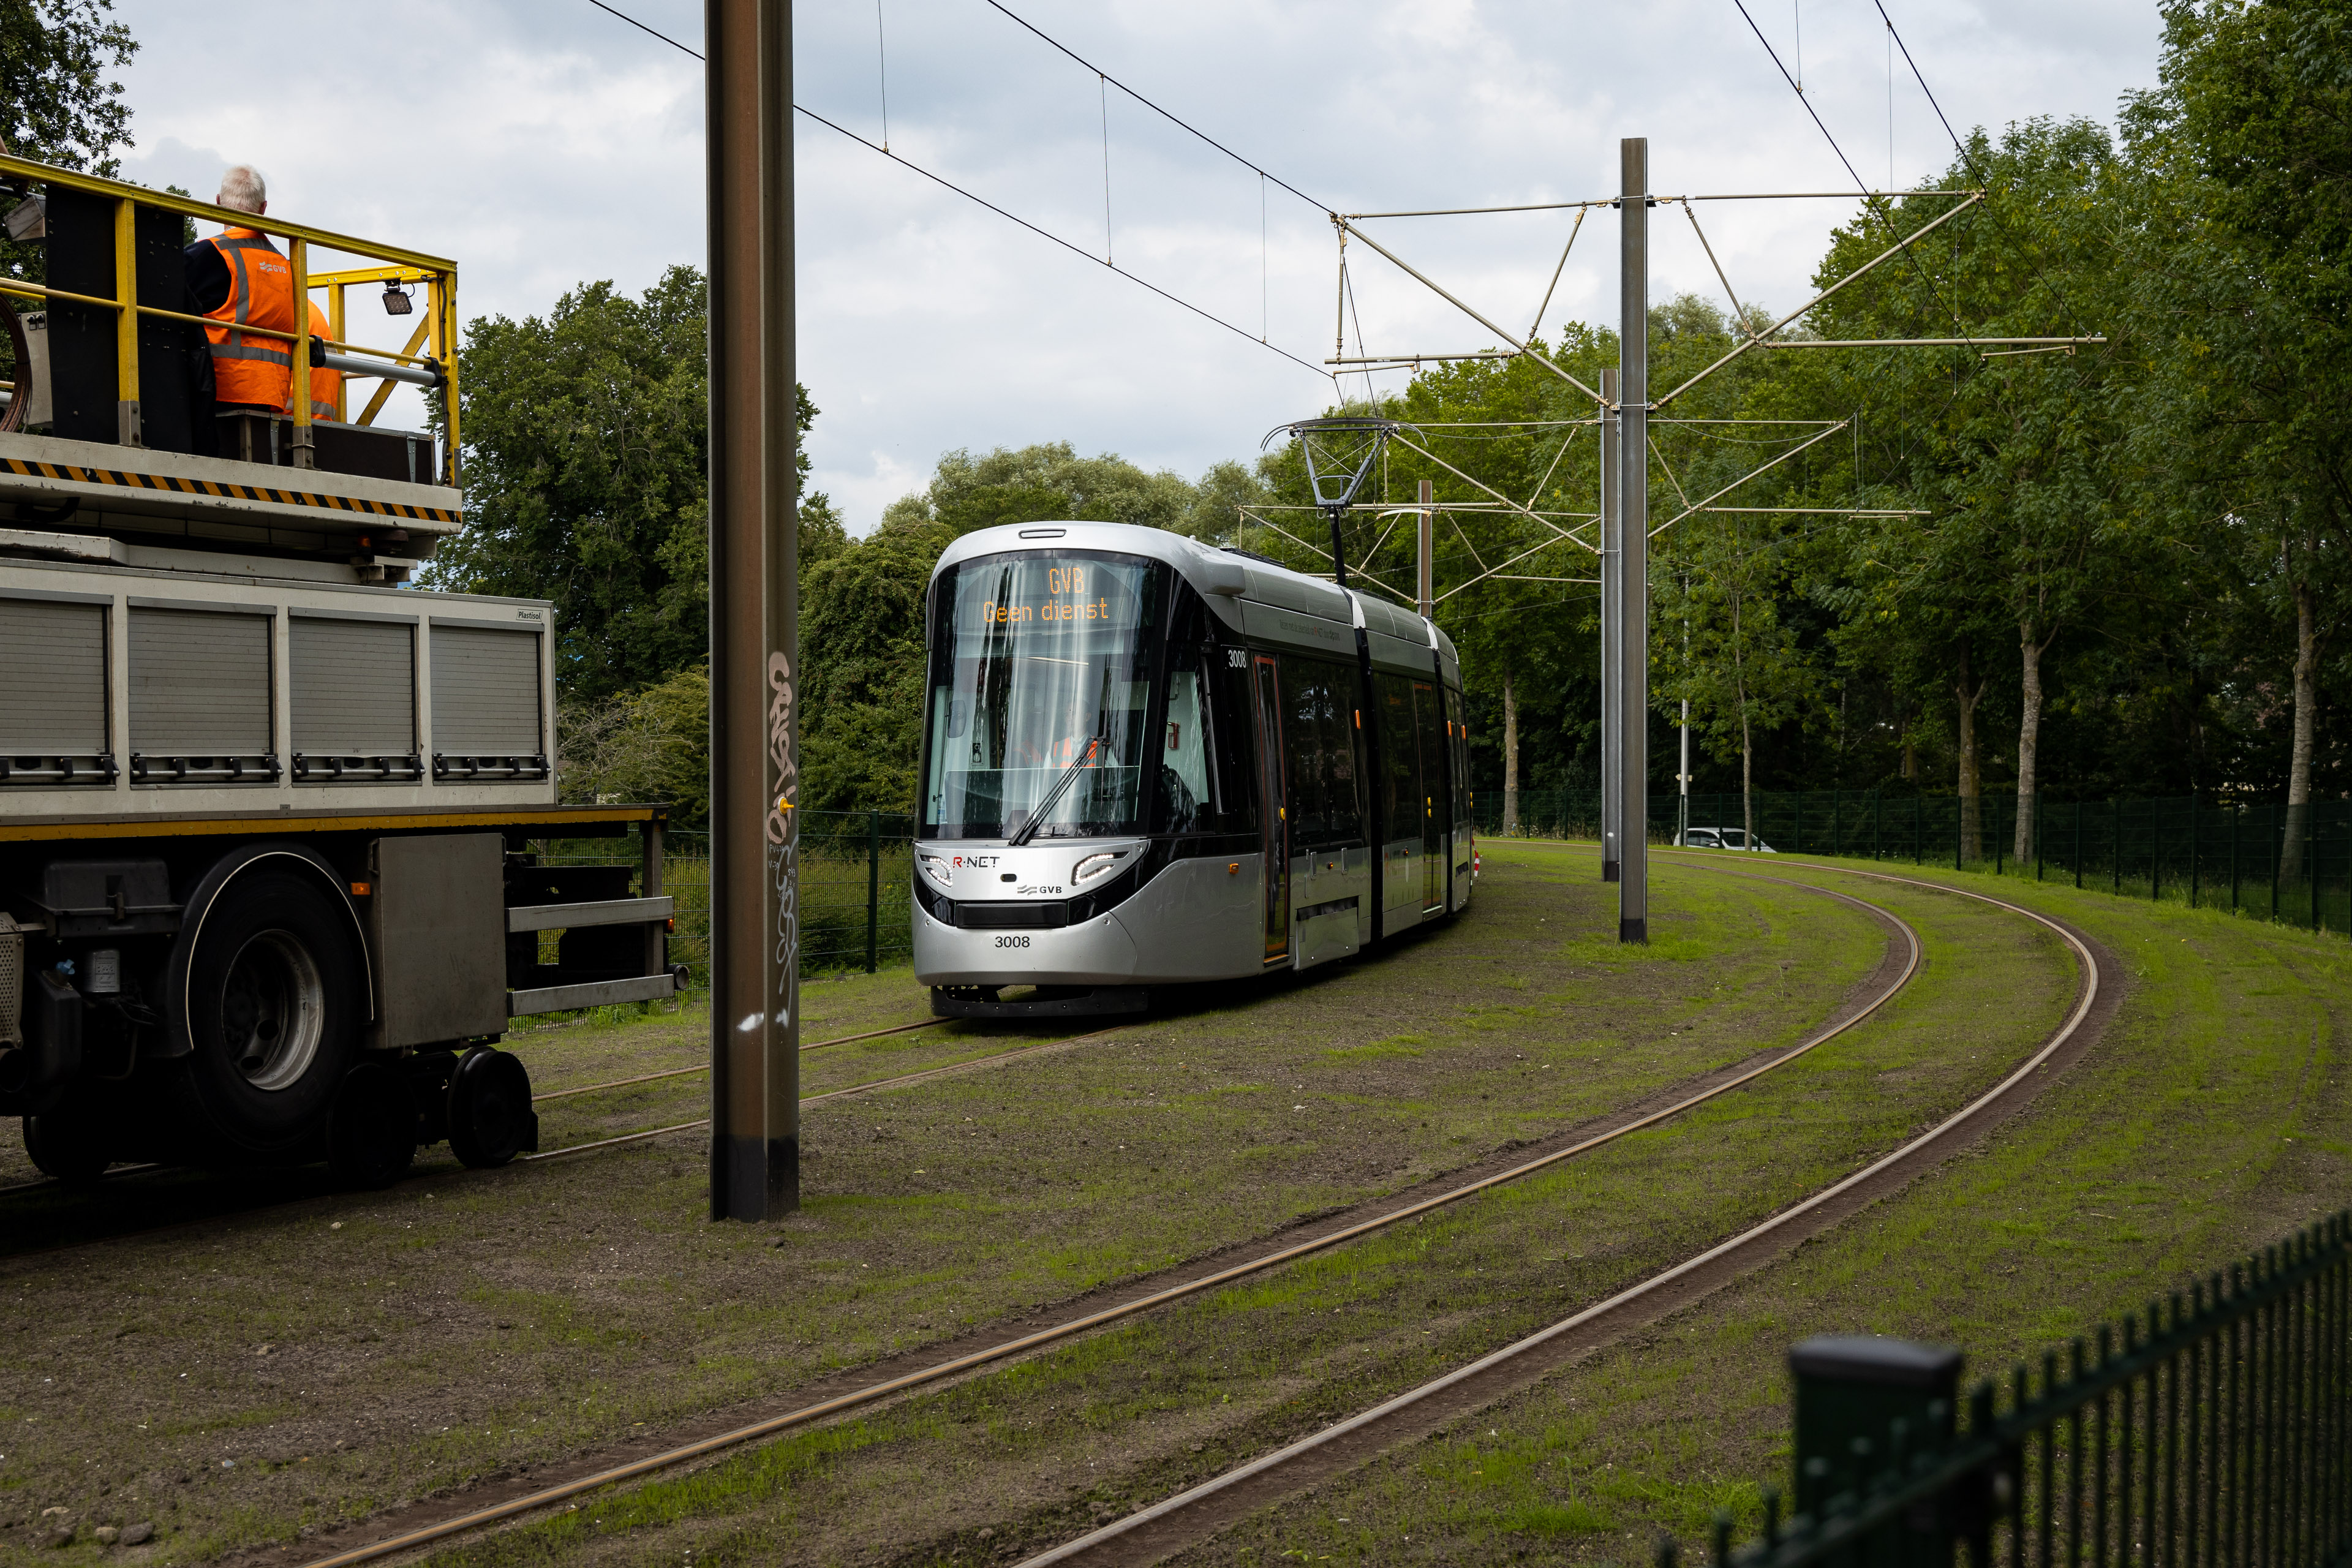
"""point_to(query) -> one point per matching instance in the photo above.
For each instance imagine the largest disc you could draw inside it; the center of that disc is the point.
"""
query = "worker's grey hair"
(243, 188)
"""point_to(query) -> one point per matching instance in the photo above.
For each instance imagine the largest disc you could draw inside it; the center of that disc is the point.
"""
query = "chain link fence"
(857, 889)
(2288, 863)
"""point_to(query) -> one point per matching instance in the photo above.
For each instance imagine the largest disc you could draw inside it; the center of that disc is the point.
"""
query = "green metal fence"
(2214, 1428)
(2286, 863)
(857, 889)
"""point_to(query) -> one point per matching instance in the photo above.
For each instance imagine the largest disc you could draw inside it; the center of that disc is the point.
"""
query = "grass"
(2210, 1120)
(1033, 1454)
(346, 1353)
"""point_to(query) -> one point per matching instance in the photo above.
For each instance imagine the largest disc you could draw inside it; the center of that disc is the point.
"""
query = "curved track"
(1216, 1274)
(1152, 1533)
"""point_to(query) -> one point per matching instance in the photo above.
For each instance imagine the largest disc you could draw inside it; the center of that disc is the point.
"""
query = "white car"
(1721, 838)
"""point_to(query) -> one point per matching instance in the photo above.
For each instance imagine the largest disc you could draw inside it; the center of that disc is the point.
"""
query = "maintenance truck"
(267, 895)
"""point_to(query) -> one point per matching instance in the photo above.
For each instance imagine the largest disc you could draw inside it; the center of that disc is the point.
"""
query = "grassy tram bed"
(253, 1375)
(2213, 1120)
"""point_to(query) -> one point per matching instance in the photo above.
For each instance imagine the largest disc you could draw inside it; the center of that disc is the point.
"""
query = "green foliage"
(586, 442)
(56, 103)
(653, 743)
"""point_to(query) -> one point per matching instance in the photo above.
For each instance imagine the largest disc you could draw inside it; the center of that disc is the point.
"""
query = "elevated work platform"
(111, 426)
(81, 495)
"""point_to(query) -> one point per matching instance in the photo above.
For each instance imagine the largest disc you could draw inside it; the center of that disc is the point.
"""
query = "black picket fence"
(857, 889)
(2284, 863)
(2214, 1427)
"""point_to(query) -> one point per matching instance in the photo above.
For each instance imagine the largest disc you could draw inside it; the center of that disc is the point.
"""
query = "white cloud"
(541, 143)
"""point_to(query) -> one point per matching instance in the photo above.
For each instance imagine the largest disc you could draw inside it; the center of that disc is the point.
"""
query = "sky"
(544, 143)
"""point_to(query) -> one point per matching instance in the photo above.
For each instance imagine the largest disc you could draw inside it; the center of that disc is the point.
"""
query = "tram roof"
(1216, 573)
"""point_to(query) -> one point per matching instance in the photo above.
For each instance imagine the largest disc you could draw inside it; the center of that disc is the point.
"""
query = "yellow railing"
(436, 334)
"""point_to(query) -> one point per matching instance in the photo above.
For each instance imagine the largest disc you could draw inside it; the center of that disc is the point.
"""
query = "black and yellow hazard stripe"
(73, 473)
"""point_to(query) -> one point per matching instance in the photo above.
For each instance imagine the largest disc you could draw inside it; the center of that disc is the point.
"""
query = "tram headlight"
(1093, 866)
(940, 872)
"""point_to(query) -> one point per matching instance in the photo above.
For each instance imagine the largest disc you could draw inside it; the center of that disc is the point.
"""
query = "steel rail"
(557, 1094)
(1022, 1344)
(945, 1070)
(1295, 1451)
(705, 1066)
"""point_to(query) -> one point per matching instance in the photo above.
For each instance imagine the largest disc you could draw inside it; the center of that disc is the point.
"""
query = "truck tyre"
(68, 1145)
(372, 1132)
(273, 988)
(490, 1118)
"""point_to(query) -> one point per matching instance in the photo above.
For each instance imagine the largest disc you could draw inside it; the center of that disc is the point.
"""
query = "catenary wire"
(1173, 120)
(1315, 370)
(1860, 184)
(1958, 146)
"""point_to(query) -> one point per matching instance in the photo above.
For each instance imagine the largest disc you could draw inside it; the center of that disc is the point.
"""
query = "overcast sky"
(542, 142)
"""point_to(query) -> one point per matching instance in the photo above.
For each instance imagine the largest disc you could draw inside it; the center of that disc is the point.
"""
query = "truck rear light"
(362, 889)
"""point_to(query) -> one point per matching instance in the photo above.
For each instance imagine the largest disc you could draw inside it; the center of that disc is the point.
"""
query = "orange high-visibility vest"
(254, 369)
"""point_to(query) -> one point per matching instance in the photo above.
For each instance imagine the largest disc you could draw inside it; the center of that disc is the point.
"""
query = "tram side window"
(1204, 781)
(1400, 789)
(1429, 719)
(1318, 730)
(1459, 754)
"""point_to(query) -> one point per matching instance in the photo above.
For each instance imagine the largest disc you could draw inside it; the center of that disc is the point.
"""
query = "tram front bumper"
(1096, 952)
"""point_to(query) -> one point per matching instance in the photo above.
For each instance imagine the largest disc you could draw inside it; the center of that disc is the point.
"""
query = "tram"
(1148, 762)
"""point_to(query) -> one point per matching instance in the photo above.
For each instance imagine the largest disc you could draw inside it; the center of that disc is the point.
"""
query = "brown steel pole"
(754, 612)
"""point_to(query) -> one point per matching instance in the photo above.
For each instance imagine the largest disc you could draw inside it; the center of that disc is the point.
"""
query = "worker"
(240, 279)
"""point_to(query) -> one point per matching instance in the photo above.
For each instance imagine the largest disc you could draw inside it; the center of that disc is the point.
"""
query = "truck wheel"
(371, 1132)
(272, 988)
(69, 1147)
(490, 1118)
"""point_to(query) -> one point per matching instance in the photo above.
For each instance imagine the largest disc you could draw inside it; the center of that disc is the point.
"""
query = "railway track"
(47, 1183)
(1199, 1280)
(1160, 1529)
(899, 1081)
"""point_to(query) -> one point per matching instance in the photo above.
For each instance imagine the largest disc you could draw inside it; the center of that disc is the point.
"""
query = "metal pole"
(649, 886)
(1611, 729)
(1682, 811)
(1427, 575)
(754, 634)
(1633, 542)
(873, 886)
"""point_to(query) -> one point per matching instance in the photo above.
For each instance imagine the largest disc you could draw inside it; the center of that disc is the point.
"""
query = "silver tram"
(1147, 761)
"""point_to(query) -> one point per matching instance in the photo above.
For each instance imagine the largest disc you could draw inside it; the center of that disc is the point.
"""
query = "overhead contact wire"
(1244, 333)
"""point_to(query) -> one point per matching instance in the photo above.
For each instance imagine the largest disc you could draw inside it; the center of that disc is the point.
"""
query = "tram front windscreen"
(1042, 669)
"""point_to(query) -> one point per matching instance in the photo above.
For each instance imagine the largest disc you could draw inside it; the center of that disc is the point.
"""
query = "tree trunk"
(1510, 756)
(2307, 702)
(1972, 817)
(1746, 780)
(2028, 735)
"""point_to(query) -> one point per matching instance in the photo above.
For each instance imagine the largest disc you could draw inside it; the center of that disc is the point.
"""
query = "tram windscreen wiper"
(1044, 808)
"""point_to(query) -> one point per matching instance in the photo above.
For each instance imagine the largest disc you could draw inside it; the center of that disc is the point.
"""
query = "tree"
(56, 103)
(2018, 455)
(586, 445)
(2247, 145)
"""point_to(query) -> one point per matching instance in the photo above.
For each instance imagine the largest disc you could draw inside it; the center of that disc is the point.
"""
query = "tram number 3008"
(1012, 942)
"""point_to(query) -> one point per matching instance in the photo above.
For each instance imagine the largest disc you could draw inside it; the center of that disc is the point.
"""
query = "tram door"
(1275, 830)
(1429, 732)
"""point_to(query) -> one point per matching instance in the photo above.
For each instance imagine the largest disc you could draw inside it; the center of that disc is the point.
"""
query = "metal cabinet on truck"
(267, 894)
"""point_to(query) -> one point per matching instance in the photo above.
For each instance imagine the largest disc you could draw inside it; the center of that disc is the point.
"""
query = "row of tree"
(2112, 568)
